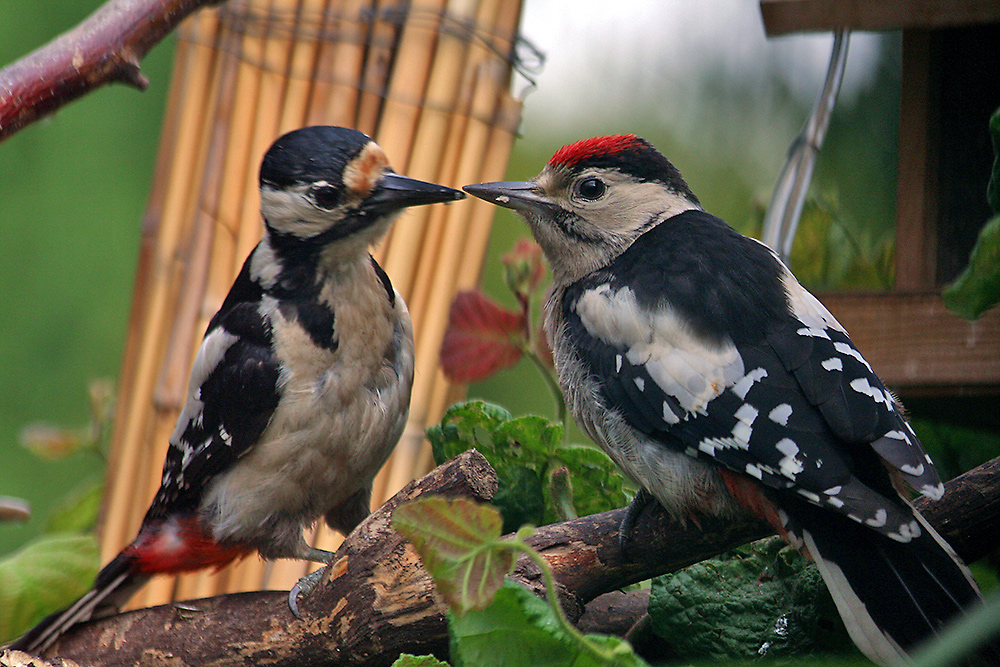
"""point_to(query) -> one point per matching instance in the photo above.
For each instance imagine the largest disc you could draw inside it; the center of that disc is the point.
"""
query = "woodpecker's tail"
(891, 595)
(115, 584)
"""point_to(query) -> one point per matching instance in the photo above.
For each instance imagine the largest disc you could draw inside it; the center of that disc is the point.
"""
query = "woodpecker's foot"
(303, 585)
(308, 582)
(635, 508)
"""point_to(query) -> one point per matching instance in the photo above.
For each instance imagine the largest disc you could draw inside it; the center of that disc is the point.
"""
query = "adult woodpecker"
(301, 387)
(720, 385)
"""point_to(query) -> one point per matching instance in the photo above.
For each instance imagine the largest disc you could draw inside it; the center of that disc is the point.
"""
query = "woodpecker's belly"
(684, 485)
(342, 411)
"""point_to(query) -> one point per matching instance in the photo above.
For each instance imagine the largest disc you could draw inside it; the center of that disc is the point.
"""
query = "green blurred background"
(695, 77)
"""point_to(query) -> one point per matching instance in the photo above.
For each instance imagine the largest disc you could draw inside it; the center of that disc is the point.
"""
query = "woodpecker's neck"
(285, 266)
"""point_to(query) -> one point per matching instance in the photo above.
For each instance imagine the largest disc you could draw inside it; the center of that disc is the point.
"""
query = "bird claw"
(303, 585)
(635, 508)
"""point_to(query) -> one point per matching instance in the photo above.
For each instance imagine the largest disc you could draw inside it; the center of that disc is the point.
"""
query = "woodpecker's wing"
(233, 391)
(790, 401)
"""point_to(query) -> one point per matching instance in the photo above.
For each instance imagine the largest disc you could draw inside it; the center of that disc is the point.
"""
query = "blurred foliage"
(74, 191)
(51, 571)
(956, 449)
(44, 575)
(831, 252)
(977, 288)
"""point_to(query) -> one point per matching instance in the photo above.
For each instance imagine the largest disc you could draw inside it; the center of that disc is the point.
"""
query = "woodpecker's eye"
(325, 196)
(591, 188)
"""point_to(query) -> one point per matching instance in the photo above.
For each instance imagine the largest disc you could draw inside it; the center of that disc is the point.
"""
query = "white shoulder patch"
(213, 349)
(807, 308)
(683, 365)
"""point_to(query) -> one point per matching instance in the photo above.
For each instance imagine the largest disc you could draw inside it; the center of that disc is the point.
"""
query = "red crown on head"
(573, 154)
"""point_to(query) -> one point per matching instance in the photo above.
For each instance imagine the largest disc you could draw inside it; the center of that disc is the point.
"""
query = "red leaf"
(482, 338)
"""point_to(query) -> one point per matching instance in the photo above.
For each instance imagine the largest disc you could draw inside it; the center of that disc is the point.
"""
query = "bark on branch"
(377, 601)
(107, 47)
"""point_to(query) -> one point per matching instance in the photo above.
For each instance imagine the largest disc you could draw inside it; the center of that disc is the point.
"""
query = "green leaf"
(524, 451)
(597, 481)
(459, 543)
(511, 446)
(519, 628)
(407, 660)
(993, 187)
(44, 575)
(77, 513)
(761, 599)
(534, 438)
(465, 426)
(977, 289)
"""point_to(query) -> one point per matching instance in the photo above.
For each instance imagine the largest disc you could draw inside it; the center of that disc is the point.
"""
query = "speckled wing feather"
(234, 389)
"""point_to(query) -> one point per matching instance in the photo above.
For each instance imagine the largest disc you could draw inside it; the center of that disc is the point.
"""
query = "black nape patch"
(316, 318)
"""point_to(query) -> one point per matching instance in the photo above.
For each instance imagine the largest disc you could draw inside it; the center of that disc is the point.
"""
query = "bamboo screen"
(429, 80)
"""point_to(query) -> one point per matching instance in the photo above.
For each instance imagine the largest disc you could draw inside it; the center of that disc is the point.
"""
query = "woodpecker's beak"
(394, 191)
(518, 195)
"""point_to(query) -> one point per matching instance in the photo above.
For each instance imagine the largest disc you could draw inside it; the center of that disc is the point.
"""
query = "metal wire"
(785, 209)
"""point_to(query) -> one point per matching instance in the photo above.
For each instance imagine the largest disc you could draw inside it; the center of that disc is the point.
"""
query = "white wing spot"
(781, 414)
(915, 471)
(907, 532)
(833, 364)
(845, 348)
(640, 383)
(862, 386)
(790, 465)
(668, 414)
(754, 471)
(878, 520)
(809, 495)
(742, 430)
(618, 363)
(742, 388)
(747, 413)
(813, 332)
(933, 491)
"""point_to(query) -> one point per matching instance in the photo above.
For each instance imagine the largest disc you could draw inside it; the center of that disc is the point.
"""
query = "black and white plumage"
(720, 385)
(301, 386)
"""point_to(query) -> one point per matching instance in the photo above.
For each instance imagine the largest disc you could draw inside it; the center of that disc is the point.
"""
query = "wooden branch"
(107, 47)
(377, 601)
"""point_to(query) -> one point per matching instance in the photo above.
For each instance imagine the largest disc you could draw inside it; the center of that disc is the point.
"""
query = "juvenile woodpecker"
(720, 385)
(301, 387)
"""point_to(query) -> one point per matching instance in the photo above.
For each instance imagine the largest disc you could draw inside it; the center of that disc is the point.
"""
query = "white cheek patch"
(678, 361)
(289, 211)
